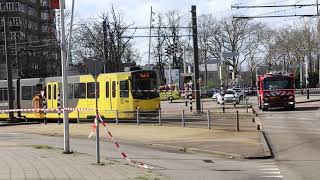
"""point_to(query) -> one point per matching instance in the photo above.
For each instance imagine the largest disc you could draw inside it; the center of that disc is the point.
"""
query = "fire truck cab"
(276, 90)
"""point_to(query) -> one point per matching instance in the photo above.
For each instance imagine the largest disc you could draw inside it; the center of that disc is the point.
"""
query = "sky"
(138, 11)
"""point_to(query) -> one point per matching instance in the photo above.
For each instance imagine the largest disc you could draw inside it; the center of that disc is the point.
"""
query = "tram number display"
(144, 75)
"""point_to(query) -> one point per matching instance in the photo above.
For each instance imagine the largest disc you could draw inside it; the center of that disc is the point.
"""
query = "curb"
(215, 153)
(267, 153)
(307, 101)
(169, 147)
(21, 123)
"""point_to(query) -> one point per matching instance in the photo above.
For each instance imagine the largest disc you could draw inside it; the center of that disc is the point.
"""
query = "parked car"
(240, 93)
(215, 95)
(250, 91)
(208, 93)
(230, 96)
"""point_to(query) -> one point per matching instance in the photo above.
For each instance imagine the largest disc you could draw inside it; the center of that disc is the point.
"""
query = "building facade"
(33, 49)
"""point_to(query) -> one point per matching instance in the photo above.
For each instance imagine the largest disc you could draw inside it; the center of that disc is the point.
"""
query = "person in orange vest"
(37, 102)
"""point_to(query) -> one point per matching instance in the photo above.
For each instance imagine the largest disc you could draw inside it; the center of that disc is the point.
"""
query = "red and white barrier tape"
(47, 110)
(124, 155)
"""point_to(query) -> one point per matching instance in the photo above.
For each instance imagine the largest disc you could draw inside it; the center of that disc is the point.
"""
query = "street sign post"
(94, 68)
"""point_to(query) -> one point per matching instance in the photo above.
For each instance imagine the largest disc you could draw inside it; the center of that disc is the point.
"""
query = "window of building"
(107, 89)
(91, 90)
(124, 89)
(26, 92)
(79, 90)
(114, 89)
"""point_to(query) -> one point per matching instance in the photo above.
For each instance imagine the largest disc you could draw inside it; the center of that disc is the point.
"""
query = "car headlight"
(265, 98)
(291, 97)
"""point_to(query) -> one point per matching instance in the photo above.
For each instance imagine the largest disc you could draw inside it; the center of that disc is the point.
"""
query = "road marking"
(270, 169)
(280, 176)
(276, 172)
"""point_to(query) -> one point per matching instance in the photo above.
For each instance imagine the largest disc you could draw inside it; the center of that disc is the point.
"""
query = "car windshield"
(277, 84)
(230, 92)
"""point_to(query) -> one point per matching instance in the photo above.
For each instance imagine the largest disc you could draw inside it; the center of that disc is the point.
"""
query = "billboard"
(175, 76)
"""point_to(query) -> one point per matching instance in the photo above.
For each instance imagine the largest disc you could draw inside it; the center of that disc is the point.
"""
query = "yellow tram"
(119, 94)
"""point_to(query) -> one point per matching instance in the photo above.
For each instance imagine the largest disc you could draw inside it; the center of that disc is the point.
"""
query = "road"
(294, 137)
(172, 164)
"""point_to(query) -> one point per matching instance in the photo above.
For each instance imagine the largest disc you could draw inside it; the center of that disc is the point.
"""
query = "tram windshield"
(144, 85)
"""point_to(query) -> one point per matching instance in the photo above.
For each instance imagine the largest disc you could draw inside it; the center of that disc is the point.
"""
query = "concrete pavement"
(19, 161)
(243, 144)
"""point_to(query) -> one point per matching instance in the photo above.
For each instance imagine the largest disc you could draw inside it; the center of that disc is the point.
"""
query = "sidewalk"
(42, 162)
(303, 99)
(225, 143)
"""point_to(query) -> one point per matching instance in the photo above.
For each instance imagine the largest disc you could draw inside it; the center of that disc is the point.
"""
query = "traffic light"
(54, 4)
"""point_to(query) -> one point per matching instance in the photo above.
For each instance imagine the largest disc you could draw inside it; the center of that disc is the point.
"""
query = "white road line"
(276, 172)
(269, 166)
(270, 169)
(279, 176)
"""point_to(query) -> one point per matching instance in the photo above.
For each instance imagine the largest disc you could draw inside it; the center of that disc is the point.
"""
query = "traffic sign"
(229, 54)
(94, 66)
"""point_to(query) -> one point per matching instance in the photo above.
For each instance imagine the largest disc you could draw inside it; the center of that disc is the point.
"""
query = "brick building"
(32, 38)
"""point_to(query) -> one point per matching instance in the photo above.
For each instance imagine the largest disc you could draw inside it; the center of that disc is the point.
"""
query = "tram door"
(52, 94)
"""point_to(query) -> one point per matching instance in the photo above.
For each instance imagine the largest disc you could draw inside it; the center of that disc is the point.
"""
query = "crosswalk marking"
(279, 176)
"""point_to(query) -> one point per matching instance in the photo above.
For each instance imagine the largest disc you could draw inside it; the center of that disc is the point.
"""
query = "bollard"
(160, 123)
(246, 101)
(253, 120)
(201, 106)
(183, 122)
(117, 116)
(308, 93)
(171, 98)
(258, 127)
(208, 118)
(59, 108)
(237, 118)
(190, 98)
(78, 116)
(138, 117)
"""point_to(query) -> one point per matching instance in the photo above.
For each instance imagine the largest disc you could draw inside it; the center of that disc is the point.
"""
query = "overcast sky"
(138, 11)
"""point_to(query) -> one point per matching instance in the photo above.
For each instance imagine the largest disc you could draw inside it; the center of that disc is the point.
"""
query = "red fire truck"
(276, 90)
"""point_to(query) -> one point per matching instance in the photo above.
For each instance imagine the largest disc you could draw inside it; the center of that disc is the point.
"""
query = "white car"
(230, 96)
(215, 96)
(239, 92)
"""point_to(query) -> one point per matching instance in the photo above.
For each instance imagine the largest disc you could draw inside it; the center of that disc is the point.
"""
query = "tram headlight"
(291, 97)
(265, 98)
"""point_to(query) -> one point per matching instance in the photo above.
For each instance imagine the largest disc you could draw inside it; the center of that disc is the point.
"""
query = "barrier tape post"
(59, 108)
(182, 119)
(246, 101)
(160, 122)
(44, 112)
(237, 119)
(117, 116)
(138, 116)
(208, 118)
(190, 99)
(78, 116)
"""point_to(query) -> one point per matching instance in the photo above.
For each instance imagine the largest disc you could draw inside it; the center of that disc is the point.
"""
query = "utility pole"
(149, 55)
(64, 80)
(105, 52)
(8, 63)
(195, 55)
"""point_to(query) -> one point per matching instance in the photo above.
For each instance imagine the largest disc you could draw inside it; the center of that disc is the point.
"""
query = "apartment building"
(32, 39)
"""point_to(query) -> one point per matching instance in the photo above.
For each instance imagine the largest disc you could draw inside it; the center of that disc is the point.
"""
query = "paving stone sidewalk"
(19, 162)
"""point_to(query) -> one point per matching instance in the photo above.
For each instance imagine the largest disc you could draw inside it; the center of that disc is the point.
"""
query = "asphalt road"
(172, 164)
(295, 140)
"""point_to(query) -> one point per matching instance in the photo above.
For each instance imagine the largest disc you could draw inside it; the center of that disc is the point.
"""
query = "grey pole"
(64, 80)
(184, 61)
(246, 105)
(117, 116)
(208, 118)
(97, 121)
(138, 116)
(182, 119)
(149, 55)
(69, 60)
(160, 123)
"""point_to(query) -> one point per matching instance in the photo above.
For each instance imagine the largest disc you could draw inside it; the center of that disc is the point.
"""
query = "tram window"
(79, 90)
(5, 94)
(26, 92)
(54, 91)
(114, 89)
(124, 89)
(70, 91)
(91, 90)
(107, 89)
(1, 95)
(49, 91)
